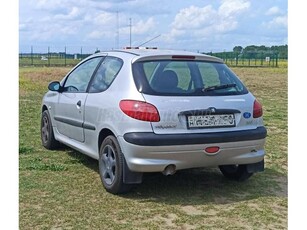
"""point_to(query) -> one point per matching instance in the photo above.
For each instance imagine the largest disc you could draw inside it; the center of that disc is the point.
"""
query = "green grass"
(53, 61)
(62, 189)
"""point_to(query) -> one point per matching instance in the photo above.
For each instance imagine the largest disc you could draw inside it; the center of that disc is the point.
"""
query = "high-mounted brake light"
(140, 110)
(257, 110)
(183, 57)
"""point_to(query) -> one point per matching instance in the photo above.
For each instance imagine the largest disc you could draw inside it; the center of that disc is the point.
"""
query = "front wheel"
(47, 136)
(235, 172)
(111, 166)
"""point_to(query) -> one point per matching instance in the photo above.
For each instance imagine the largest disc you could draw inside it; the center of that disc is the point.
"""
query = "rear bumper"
(148, 152)
(152, 139)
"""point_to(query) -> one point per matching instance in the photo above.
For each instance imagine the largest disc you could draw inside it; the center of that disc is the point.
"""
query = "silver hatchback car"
(149, 110)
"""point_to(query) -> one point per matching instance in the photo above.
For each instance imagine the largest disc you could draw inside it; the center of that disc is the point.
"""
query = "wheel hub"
(108, 164)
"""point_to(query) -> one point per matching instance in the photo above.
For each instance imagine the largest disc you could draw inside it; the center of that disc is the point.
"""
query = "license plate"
(210, 121)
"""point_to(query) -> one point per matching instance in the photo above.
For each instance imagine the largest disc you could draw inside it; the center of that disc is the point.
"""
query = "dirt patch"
(168, 220)
(191, 210)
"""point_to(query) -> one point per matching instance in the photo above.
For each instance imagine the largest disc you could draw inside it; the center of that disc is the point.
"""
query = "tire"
(111, 166)
(235, 172)
(47, 136)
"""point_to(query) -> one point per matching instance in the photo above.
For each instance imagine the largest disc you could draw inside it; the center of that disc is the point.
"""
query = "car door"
(69, 111)
(99, 100)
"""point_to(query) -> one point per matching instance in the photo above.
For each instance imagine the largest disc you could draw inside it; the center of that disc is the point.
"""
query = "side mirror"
(54, 86)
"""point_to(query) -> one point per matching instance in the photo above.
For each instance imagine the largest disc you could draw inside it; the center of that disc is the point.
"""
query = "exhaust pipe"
(169, 170)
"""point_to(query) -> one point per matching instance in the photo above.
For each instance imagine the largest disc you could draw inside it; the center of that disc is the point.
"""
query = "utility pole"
(130, 24)
(117, 30)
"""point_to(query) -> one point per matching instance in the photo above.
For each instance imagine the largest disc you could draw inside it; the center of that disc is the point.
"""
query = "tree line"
(252, 50)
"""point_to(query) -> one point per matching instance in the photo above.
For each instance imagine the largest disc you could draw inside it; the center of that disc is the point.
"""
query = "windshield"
(186, 77)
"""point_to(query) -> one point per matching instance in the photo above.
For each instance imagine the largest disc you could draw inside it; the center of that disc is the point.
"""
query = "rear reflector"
(212, 149)
(257, 110)
(140, 110)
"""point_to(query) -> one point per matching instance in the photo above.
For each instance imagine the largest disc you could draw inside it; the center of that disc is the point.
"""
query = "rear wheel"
(111, 166)
(47, 135)
(235, 172)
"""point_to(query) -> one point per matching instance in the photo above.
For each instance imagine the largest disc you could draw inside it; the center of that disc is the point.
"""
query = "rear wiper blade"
(215, 87)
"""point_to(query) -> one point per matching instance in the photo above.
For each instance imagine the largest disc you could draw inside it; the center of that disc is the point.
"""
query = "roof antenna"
(149, 40)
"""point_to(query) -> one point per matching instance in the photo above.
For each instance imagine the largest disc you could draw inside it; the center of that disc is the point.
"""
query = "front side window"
(181, 77)
(105, 74)
(78, 80)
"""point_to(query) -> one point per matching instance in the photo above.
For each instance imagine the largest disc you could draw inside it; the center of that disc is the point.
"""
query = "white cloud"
(139, 27)
(95, 34)
(102, 18)
(72, 14)
(204, 21)
(230, 8)
(226, 25)
(273, 11)
(142, 27)
(55, 31)
(279, 21)
(194, 17)
(176, 33)
(49, 5)
(98, 34)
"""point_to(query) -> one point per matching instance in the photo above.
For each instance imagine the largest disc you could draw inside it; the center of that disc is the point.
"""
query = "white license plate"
(209, 121)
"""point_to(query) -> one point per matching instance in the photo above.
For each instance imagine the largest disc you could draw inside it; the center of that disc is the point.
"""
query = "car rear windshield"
(186, 78)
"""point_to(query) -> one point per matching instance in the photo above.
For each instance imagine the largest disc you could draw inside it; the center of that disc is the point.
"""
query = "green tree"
(238, 49)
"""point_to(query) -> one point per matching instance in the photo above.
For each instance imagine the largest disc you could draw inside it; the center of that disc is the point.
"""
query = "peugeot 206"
(149, 110)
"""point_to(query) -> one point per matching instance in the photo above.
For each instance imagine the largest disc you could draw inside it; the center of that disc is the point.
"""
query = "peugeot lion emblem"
(212, 109)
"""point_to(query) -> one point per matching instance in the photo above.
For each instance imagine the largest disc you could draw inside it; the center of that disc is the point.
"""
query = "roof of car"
(146, 54)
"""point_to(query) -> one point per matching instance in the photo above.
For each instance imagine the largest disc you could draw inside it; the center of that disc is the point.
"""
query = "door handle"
(79, 103)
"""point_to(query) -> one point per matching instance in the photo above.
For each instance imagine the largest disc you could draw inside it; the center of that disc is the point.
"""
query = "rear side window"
(105, 74)
(183, 78)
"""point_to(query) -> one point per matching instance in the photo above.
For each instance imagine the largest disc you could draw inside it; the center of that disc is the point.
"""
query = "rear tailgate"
(203, 114)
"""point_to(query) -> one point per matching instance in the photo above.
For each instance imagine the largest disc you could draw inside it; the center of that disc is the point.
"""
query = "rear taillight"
(140, 110)
(257, 110)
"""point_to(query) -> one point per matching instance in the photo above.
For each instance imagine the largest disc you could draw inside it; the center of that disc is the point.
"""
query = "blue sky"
(198, 25)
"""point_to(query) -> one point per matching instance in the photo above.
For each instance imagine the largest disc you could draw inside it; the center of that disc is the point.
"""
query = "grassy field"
(26, 61)
(62, 189)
